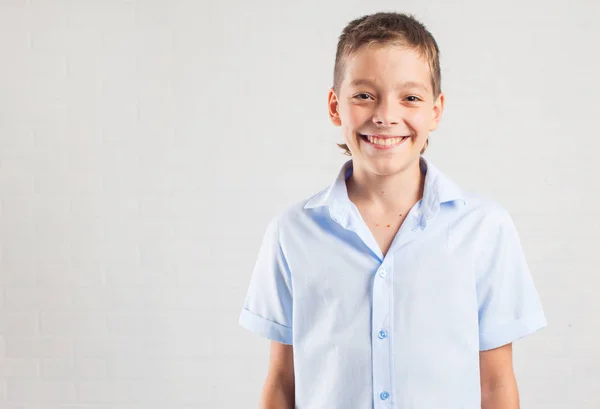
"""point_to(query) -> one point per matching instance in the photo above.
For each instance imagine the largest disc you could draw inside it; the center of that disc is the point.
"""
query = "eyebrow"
(402, 85)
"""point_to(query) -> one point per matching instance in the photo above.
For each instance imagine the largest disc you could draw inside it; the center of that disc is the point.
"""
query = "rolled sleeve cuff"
(511, 332)
(265, 328)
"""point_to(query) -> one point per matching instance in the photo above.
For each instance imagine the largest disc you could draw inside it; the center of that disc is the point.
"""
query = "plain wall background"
(144, 145)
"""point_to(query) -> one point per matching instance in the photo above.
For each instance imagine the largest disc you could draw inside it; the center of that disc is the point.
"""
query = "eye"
(413, 100)
(362, 94)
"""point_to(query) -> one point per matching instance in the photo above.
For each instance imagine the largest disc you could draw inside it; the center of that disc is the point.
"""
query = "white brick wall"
(144, 144)
(103, 291)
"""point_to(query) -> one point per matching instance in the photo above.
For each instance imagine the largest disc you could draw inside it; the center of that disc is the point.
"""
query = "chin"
(389, 164)
(382, 166)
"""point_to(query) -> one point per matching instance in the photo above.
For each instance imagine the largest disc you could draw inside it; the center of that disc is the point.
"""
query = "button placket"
(381, 347)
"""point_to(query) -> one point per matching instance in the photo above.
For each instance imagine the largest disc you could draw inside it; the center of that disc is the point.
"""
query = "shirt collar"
(438, 189)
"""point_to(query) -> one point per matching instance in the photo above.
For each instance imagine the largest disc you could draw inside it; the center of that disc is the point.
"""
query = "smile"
(384, 142)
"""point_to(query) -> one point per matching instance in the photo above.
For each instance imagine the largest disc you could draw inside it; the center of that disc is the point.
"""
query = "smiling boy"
(393, 287)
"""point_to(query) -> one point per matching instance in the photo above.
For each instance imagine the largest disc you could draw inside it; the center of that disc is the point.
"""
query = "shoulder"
(299, 214)
(493, 230)
(489, 211)
(482, 220)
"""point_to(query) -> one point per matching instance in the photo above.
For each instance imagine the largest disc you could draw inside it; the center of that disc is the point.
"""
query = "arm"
(509, 309)
(498, 383)
(278, 390)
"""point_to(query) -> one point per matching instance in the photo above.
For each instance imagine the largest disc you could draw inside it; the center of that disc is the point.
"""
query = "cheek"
(353, 120)
(349, 132)
(419, 119)
(356, 116)
(424, 115)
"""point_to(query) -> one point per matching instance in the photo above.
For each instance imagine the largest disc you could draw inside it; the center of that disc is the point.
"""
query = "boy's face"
(386, 91)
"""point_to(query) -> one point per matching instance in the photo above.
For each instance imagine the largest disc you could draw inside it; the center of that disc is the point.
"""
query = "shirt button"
(384, 395)
(382, 334)
(382, 273)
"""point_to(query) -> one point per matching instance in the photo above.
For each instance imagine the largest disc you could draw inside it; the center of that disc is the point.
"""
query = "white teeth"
(384, 141)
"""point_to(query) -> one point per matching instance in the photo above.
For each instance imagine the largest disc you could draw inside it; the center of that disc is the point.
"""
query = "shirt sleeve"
(509, 304)
(267, 309)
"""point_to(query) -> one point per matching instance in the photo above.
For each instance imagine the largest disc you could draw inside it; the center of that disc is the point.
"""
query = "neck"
(390, 193)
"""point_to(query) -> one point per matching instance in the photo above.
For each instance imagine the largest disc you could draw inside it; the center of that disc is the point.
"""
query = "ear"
(333, 105)
(436, 114)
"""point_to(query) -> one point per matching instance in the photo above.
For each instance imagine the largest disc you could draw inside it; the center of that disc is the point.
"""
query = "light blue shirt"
(402, 331)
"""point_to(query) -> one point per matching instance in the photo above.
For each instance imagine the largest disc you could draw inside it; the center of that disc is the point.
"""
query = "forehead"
(387, 65)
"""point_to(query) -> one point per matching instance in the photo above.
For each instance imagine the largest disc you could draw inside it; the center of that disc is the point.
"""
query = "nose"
(387, 113)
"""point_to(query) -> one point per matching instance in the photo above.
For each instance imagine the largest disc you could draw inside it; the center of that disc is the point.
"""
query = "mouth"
(384, 141)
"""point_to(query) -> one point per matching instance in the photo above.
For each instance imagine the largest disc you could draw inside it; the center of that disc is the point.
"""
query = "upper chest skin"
(383, 226)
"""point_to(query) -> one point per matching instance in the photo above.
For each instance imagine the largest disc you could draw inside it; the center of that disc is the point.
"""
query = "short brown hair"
(387, 28)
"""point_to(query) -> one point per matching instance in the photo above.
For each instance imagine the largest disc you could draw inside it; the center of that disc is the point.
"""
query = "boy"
(393, 287)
